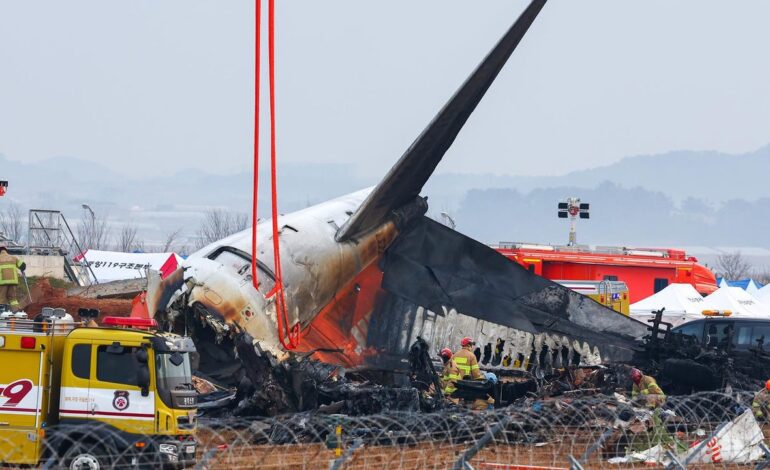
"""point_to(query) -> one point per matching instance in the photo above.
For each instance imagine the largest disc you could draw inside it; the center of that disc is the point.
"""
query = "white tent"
(763, 295)
(737, 301)
(752, 288)
(681, 301)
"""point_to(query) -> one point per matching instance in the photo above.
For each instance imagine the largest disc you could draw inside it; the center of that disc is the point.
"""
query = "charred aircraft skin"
(326, 280)
(353, 293)
(217, 280)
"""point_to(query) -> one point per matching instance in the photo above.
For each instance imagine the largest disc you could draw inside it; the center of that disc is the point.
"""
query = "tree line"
(100, 232)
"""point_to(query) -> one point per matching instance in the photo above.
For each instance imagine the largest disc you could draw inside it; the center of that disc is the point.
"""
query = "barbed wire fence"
(581, 432)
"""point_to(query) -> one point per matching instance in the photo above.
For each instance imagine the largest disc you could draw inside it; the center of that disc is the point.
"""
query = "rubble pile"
(684, 366)
(599, 428)
(261, 385)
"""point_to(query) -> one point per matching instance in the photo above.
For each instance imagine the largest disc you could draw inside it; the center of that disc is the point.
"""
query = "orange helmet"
(767, 385)
(446, 353)
(467, 341)
(636, 375)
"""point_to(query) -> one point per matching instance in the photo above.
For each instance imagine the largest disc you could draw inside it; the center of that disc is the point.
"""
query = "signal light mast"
(573, 208)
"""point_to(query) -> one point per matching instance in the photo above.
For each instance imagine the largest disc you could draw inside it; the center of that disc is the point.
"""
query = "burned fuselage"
(347, 314)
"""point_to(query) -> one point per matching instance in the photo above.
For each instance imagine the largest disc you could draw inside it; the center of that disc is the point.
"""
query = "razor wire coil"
(534, 433)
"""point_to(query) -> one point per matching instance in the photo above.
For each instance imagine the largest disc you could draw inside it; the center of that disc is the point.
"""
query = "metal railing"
(49, 233)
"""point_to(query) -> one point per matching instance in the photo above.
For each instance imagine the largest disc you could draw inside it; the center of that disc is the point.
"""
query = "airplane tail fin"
(406, 179)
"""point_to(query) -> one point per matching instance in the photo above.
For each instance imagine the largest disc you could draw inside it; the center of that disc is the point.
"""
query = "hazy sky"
(145, 85)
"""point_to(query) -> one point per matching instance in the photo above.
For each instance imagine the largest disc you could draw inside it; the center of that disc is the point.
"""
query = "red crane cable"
(255, 196)
(289, 337)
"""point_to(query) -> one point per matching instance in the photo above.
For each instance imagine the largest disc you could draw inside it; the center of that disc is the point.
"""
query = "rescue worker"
(469, 370)
(9, 278)
(450, 375)
(466, 360)
(646, 387)
(761, 403)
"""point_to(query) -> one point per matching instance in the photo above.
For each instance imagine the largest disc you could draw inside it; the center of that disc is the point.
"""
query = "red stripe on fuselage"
(332, 327)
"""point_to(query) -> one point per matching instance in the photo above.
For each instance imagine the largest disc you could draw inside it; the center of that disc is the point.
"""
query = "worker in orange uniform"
(9, 278)
(761, 403)
(466, 360)
(450, 375)
(645, 386)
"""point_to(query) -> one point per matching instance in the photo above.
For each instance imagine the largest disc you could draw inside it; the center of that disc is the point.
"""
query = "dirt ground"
(427, 455)
(44, 294)
(233, 453)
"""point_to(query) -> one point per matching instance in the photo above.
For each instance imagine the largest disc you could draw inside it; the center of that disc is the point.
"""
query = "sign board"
(115, 265)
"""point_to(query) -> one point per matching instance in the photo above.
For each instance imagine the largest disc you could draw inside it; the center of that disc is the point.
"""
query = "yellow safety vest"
(450, 376)
(8, 269)
(467, 363)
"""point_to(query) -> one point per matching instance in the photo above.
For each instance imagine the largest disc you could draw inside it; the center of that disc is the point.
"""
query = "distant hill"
(711, 176)
(677, 198)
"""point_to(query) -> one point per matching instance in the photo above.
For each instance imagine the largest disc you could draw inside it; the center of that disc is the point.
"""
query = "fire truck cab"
(95, 397)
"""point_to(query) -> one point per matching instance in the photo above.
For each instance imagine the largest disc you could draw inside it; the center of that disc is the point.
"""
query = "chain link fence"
(580, 432)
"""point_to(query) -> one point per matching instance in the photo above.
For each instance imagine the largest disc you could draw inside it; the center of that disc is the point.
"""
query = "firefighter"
(761, 403)
(646, 387)
(466, 361)
(450, 374)
(9, 278)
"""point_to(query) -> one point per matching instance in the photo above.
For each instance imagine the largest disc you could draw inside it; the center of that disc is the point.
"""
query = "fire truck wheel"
(86, 457)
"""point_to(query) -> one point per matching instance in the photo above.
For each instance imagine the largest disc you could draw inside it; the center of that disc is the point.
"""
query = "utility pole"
(572, 208)
(92, 228)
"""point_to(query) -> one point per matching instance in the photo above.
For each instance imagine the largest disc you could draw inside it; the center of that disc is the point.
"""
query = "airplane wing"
(432, 266)
(405, 180)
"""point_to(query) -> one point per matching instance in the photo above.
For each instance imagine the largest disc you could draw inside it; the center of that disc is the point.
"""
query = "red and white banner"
(115, 265)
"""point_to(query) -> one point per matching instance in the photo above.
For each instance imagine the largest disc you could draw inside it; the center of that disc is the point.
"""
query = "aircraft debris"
(684, 366)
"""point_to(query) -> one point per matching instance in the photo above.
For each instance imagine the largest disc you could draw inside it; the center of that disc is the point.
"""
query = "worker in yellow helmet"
(9, 278)
(645, 386)
(761, 403)
(466, 360)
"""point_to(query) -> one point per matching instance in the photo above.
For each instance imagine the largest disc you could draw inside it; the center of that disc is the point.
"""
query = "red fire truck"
(644, 270)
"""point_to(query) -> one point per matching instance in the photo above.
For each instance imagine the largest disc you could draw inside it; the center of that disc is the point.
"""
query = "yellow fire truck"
(76, 397)
(612, 294)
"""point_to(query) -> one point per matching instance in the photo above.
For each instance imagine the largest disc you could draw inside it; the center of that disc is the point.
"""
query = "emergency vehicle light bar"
(717, 313)
(131, 322)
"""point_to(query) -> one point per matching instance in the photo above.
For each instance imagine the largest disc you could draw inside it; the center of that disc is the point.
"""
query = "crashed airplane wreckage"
(367, 273)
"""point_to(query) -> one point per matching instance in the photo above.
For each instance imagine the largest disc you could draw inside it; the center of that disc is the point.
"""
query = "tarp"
(116, 265)
(737, 300)
(749, 285)
(681, 301)
(736, 442)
